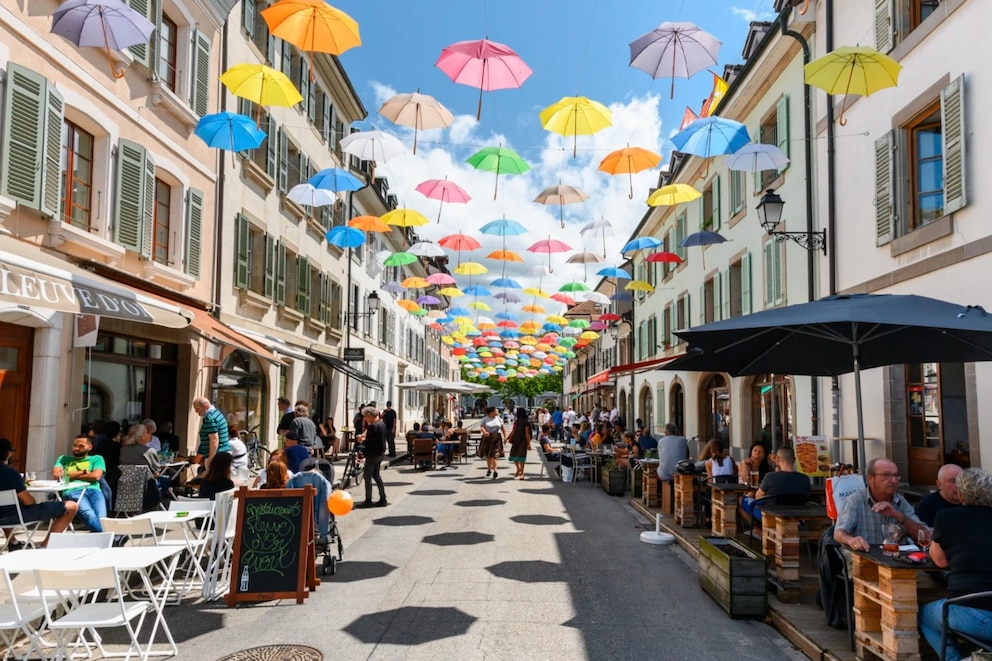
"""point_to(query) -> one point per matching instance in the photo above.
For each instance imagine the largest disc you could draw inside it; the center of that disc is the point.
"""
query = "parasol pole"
(861, 418)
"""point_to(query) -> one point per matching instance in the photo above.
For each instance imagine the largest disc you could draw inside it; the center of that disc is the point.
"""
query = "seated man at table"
(944, 497)
(784, 483)
(672, 449)
(646, 441)
(84, 467)
(58, 512)
(864, 514)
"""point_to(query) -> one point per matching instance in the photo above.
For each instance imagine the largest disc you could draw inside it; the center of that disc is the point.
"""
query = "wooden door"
(16, 349)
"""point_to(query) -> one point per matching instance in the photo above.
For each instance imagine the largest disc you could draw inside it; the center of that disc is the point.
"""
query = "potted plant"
(613, 479)
(734, 576)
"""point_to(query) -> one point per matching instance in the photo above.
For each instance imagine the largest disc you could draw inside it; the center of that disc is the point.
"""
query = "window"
(774, 288)
(682, 319)
(163, 211)
(920, 167)
(294, 165)
(709, 300)
(680, 235)
(736, 192)
(335, 305)
(168, 52)
(254, 266)
(739, 276)
(709, 207)
(896, 19)
(77, 175)
(774, 130)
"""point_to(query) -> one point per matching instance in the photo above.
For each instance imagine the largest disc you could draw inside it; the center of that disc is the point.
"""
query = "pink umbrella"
(440, 279)
(484, 64)
(563, 298)
(549, 246)
(444, 190)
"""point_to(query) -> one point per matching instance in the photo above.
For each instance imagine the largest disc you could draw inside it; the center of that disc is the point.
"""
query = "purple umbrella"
(427, 299)
(108, 24)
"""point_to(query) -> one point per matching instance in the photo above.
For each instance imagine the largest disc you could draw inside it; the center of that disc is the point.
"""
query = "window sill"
(334, 333)
(81, 243)
(291, 314)
(921, 236)
(253, 171)
(292, 208)
(162, 273)
(252, 299)
(315, 324)
(167, 99)
(736, 218)
(313, 224)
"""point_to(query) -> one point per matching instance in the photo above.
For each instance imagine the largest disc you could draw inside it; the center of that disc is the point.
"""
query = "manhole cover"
(276, 653)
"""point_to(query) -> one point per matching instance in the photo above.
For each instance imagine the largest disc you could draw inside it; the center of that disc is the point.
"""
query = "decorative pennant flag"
(689, 117)
(720, 87)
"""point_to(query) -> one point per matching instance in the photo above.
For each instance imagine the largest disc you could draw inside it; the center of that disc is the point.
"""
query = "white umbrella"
(594, 296)
(426, 249)
(756, 157)
(374, 146)
(674, 50)
(311, 196)
(601, 225)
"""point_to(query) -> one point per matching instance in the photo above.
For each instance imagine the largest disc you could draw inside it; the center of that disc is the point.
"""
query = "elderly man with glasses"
(865, 514)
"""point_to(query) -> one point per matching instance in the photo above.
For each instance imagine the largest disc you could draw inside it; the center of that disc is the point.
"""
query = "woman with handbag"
(493, 433)
(520, 437)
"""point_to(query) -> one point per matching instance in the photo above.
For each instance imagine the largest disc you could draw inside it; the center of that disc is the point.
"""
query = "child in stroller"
(320, 474)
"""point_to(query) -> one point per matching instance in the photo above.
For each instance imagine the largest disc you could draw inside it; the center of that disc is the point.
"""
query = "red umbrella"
(608, 316)
(663, 256)
(444, 190)
(459, 242)
(549, 246)
(484, 64)
(562, 297)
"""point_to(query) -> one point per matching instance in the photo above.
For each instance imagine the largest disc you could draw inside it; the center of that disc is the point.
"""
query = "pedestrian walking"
(375, 447)
(520, 438)
(493, 433)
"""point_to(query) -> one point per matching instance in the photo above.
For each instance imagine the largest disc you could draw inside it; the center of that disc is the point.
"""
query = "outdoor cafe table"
(725, 507)
(686, 496)
(886, 606)
(649, 482)
(780, 538)
(55, 487)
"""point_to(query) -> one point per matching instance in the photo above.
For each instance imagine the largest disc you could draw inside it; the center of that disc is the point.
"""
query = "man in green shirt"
(84, 467)
(213, 431)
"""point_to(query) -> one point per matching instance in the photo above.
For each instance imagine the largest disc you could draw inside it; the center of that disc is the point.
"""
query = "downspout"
(832, 208)
(221, 181)
(808, 164)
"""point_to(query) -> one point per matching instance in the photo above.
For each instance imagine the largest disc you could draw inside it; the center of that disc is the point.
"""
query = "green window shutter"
(326, 127)
(884, 188)
(746, 284)
(680, 235)
(782, 127)
(715, 225)
(769, 274)
(194, 232)
(323, 309)
(24, 134)
(686, 309)
(725, 295)
(130, 198)
(142, 52)
(51, 174)
(702, 305)
(701, 206)
(717, 295)
(148, 212)
(280, 292)
(243, 238)
(883, 26)
(271, 148)
(953, 135)
(303, 285)
(268, 277)
(282, 162)
(248, 17)
(199, 93)
(287, 59)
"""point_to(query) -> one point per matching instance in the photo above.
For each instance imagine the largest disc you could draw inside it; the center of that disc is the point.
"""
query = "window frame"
(168, 53)
(916, 126)
(158, 224)
(69, 155)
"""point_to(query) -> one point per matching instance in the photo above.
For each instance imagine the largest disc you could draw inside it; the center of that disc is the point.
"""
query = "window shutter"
(782, 127)
(884, 188)
(280, 291)
(701, 205)
(746, 284)
(243, 238)
(142, 52)
(883, 26)
(325, 113)
(955, 154)
(194, 232)
(303, 83)
(715, 225)
(51, 174)
(702, 305)
(270, 50)
(322, 306)
(269, 274)
(686, 310)
(282, 162)
(130, 200)
(680, 235)
(148, 212)
(769, 275)
(311, 100)
(24, 134)
(717, 294)
(332, 126)
(271, 147)
(287, 58)
(199, 93)
(248, 17)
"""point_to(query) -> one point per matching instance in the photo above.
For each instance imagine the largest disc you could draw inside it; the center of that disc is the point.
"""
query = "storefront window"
(130, 379)
(761, 410)
(717, 410)
(239, 392)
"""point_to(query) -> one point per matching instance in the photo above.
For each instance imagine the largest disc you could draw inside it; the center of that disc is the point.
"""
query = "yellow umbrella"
(556, 319)
(505, 255)
(534, 291)
(369, 224)
(404, 218)
(415, 282)
(407, 304)
(313, 26)
(453, 292)
(673, 194)
(479, 305)
(589, 335)
(471, 268)
(639, 285)
(850, 70)
(536, 309)
(574, 116)
(261, 85)
(628, 161)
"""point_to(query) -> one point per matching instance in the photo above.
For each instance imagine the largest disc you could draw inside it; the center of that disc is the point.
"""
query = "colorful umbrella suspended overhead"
(857, 70)
(711, 136)
(374, 146)
(312, 26)
(505, 255)
(562, 297)
(471, 268)
(602, 225)
(503, 227)
(261, 85)
(704, 238)
(417, 110)
(400, 259)
(440, 279)
(501, 160)
(369, 224)
(108, 24)
(674, 50)
(673, 194)
(628, 161)
(229, 131)
(443, 190)
(613, 272)
(415, 282)
(345, 237)
(574, 116)
(308, 195)
(560, 195)
(663, 257)
(757, 157)
(337, 180)
(640, 243)
(484, 64)
(458, 243)
(426, 249)
(584, 257)
(549, 246)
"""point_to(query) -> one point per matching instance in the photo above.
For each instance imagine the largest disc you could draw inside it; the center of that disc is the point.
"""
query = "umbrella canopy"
(639, 285)
(674, 50)
(426, 299)
(459, 242)
(574, 116)
(485, 64)
(400, 259)
(392, 287)
(562, 297)
(374, 146)
(602, 226)
(443, 190)
(451, 292)
(560, 195)
(261, 85)
(593, 296)
(420, 111)
(536, 309)
(842, 334)
(702, 239)
(229, 131)
(640, 243)
(345, 237)
(505, 255)
(756, 157)
(107, 24)
(501, 160)
(673, 194)
(711, 136)
(507, 283)
(415, 282)
(404, 218)
(477, 290)
(337, 180)
(613, 272)
(503, 227)
(549, 246)
(426, 249)
(573, 287)
(535, 291)
(408, 305)
(309, 195)
(857, 70)
(440, 279)
(508, 296)
(584, 257)
(312, 26)
(628, 161)
(471, 268)
(369, 224)
(664, 257)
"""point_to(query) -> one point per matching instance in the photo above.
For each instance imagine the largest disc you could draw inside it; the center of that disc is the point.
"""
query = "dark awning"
(336, 363)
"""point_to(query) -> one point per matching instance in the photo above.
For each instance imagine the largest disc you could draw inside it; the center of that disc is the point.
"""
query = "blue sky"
(577, 47)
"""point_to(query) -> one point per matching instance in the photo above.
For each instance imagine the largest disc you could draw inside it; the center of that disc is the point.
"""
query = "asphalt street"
(461, 566)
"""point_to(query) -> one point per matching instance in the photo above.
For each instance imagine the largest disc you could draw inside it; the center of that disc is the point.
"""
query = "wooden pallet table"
(725, 508)
(685, 500)
(780, 543)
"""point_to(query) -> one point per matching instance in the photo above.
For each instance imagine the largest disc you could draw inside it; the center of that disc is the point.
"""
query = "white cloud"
(750, 14)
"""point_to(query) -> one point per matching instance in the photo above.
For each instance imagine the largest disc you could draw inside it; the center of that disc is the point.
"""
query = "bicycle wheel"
(346, 473)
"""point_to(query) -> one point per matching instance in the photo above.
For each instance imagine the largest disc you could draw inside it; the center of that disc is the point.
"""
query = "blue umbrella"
(108, 24)
(613, 272)
(640, 243)
(702, 239)
(477, 290)
(229, 131)
(509, 316)
(503, 227)
(551, 327)
(509, 334)
(459, 312)
(507, 283)
(711, 136)
(336, 179)
(622, 296)
(345, 237)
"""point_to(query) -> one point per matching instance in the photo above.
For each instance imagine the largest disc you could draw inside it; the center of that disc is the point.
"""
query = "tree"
(529, 387)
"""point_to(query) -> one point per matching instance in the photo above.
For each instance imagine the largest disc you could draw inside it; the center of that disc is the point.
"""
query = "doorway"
(936, 419)
(677, 412)
(16, 351)
(716, 410)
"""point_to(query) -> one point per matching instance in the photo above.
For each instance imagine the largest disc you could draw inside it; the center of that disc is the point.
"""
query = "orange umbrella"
(312, 26)
(628, 161)
(369, 224)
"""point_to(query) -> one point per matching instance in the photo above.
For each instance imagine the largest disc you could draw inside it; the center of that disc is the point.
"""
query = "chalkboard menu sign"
(273, 555)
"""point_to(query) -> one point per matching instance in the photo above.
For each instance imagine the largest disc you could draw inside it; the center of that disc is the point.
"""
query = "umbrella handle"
(415, 140)
(439, 208)
(630, 195)
(478, 110)
(496, 187)
(561, 215)
(106, 42)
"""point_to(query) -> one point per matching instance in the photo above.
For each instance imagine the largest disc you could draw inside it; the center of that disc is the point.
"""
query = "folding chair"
(93, 540)
(946, 629)
(17, 616)
(8, 498)
(424, 452)
(130, 498)
(91, 615)
(220, 544)
(580, 462)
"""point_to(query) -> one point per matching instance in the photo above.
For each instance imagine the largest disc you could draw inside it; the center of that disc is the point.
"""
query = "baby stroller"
(320, 474)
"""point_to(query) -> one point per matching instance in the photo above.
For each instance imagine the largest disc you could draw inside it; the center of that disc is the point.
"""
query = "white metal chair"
(580, 462)
(218, 573)
(9, 498)
(17, 616)
(93, 540)
(92, 615)
(140, 532)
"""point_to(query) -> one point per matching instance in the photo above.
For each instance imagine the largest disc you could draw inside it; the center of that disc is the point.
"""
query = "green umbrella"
(573, 286)
(579, 323)
(501, 160)
(418, 313)
(400, 259)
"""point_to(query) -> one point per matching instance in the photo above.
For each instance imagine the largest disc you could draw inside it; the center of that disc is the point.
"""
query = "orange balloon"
(340, 503)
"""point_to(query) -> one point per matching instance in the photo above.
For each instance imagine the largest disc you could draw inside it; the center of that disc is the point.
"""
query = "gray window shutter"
(243, 239)
(686, 310)
(155, 42)
(280, 292)
(311, 99)
(955, 155)
(884, 188)
(270, 50)
(782, 126)
(25, 130)
(746, 284)
(717, 296)
(303, 82)
(282, 162)
(715, 225)
(702, 305)
(883, 26)
(332, 125)
(287, 58)
(680, 235)
(303, 284)
(199, 93)
(51, 174)
(268, 277)
(148, 213)
(248, 17)
(130, 197)
(769, 275)
(142, 52)
(194, 232)
(271, 148)
(326, 129)
(725, 295)
(701, 205)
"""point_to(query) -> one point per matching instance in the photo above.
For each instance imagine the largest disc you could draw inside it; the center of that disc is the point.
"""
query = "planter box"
(734, 576)
(614, 481)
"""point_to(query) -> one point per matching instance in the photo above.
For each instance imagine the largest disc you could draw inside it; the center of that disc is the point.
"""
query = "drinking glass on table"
(924, 537)
(890, 545)
(754, 479)
(30, 476)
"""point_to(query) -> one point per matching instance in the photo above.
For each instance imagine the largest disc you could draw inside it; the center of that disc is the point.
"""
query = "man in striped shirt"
(213, 431)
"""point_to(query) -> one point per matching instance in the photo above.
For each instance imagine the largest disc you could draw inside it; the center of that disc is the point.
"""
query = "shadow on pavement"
(410, 625)
(529, 571)
(431, 492)
(459, 538)
(480, 503)
(539, 492)
(539, 519)
(403, 521)
(353, 571)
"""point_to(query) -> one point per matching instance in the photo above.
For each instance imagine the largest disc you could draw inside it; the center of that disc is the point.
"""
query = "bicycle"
(354, 466)
(258, 454)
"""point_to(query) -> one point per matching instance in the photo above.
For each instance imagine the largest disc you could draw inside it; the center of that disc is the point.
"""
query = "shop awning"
(275, 345)
(217, 331)
(32, 278)
(336, 363)
(643, 366)
(599, 377)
